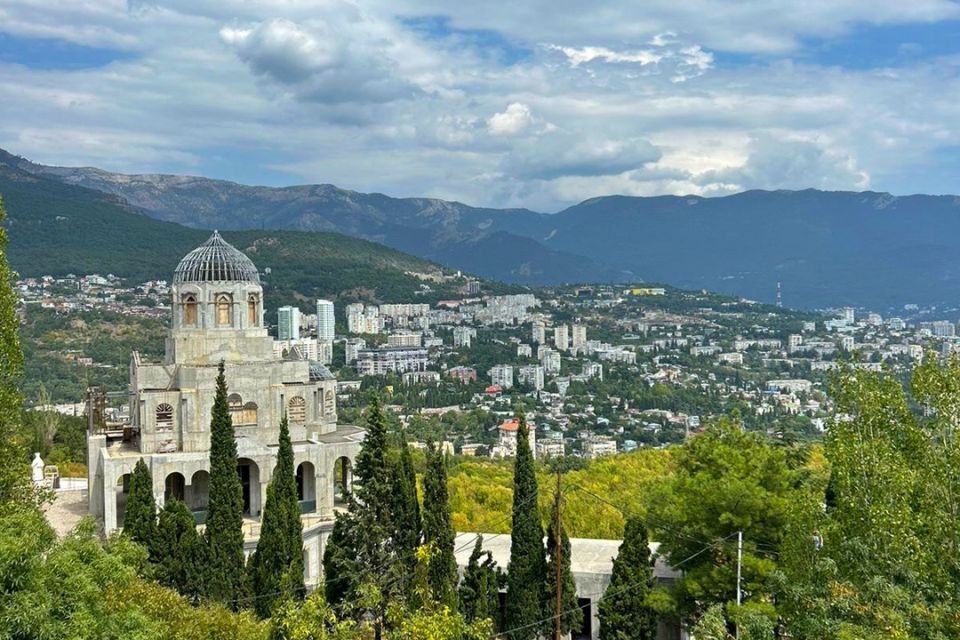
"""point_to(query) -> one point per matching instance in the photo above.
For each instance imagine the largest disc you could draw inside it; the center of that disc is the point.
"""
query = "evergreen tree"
(176, 549)
(140, 516)
(15, 485)
(480, 590)
(340, 570)
(438, 530)
(406, 509)
(624, 614)
(571, 616)
(525, 574)
(224, 577)
(370, 505)
(276, 567)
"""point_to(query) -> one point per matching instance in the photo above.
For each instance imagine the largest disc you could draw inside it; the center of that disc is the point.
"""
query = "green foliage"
(438, 531)
(726, 480)
(140, 516)
(567, 610)
(712, 625)
(14, 477)
(341, 572)
(406, 508)
(480, 589)
(369, 524)
(224, 578)
(276, 568)
(882, 560)
(176, 549)
(525, 572)
(624, 612)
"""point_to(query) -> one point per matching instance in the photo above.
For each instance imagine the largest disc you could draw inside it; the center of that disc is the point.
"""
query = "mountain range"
(865, 249)
(57, 228)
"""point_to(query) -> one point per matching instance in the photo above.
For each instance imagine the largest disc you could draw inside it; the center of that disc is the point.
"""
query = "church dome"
(216, 261)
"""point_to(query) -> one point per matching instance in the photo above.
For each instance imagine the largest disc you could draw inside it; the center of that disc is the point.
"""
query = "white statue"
(37, 466)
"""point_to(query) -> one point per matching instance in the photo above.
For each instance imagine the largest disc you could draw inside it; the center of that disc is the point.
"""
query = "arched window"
(164, 414)
(328, 406)
(242, 415)
(224, 310)
(190, 315)
(253, 308)
(297, 410)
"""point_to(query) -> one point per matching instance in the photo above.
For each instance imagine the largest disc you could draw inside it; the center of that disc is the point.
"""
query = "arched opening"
(175, 487)
(342, 479)
(190, 310)
(164, 416)
(328, 403)
(297, 411)
(224, 305)
(242, 414)
(307, 487)
(250, 484)
(253, 310)
(198, 495)
(122, 489)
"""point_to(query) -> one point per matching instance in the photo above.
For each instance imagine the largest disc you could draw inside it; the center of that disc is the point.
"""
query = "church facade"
(218, 316)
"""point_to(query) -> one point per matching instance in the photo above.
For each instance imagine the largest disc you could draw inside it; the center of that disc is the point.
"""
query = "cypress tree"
(15, 485)
(224, 563)
(438, 530)
(140, 516)
(623, 613)
(341, 572)
(406, 510)
(571, 616)
(480, 590)
(370, 504)
(177, 549)
(276, 567)
(525, 573)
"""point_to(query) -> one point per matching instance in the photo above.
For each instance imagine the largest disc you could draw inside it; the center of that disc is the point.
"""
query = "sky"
(519, 103)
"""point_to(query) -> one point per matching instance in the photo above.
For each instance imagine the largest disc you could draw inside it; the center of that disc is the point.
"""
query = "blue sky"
(537, 104)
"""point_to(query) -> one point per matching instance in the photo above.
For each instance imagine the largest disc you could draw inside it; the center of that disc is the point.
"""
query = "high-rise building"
(579, 336)
(531, 375)
(561, 337)
(549, 360)
(463, 336)
(325, 320)
(353, 347)
(473, 287)
(502, 374)
(405, 339)
(539, 335)
(288, 323)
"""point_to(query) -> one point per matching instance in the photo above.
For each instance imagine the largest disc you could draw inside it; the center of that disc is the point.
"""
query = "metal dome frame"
(216, 260)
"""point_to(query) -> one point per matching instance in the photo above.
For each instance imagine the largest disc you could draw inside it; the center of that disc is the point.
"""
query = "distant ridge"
(866, 249)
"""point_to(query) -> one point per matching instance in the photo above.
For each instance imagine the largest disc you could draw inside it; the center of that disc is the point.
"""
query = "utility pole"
(558, 549)
(739, 570)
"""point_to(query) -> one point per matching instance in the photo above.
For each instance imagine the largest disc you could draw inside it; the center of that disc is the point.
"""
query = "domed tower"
(217, 307)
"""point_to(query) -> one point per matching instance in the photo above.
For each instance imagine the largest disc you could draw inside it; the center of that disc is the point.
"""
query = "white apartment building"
(598, 446)
(561, 337)
(353, 347)
(288, 323)
(463, 336)
(593, 370)
(578, 337)
(405, 339)
(502, 374)
(378, 362)
(531, 375)
(325, 320)
(539, 333)
(549, 360)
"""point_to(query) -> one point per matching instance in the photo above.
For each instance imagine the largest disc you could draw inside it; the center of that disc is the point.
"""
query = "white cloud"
(625, 100)
(515, 119)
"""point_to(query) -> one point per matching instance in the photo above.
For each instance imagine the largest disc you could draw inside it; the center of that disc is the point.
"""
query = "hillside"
(57, 228)
(868, 249)
(447, 232)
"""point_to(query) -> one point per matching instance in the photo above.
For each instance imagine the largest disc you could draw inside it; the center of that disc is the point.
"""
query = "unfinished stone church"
(217, 315)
